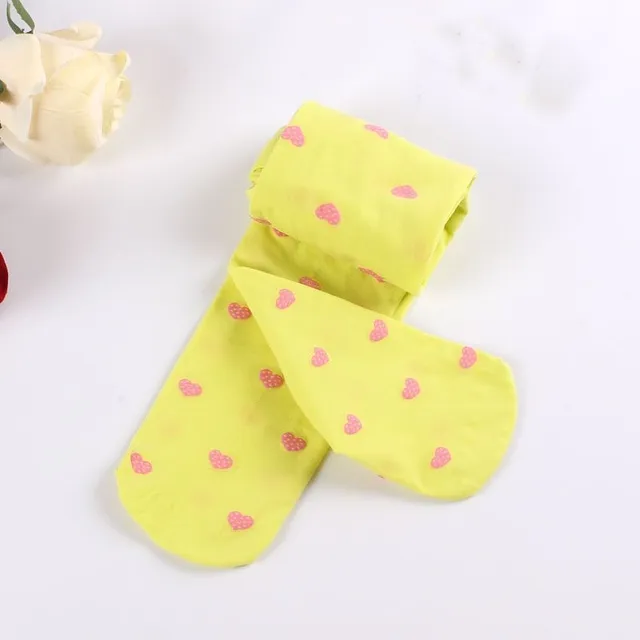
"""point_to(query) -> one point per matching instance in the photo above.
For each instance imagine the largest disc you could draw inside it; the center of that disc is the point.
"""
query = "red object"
(4, 278)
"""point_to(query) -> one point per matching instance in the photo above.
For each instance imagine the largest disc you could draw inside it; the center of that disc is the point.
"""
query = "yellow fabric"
(303, 349)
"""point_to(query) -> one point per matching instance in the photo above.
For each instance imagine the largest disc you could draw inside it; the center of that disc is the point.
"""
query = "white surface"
(113, 263)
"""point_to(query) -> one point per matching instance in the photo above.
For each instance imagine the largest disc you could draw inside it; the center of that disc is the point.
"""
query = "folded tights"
(303, 350)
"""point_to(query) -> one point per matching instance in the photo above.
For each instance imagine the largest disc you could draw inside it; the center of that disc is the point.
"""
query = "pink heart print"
(291, 443)
(469, 357)
(219, 460)
(189, 388)
(285, 299)
(381, 131)
(441, 457)
(271, 380)
(411, 389)
(238, 312)
(238, 521)
(310, 282)
(379, 331)
(320, 357)
(280, 234)
(328, 212)
(353, 425)
(139, 464)
(373, 274)
(294, 135)
(404, 191)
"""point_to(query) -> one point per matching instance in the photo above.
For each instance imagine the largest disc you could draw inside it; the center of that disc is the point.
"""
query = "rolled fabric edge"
(405, 260)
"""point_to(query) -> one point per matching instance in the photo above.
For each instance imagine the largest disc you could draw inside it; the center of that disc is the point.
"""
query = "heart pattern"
(238, 312)
(291, 443)
(353, 425)
(219, 460)
(310, 282)
(285, 299)
(294, 135)
(411, 389)
(441, 457)
(320, 357)
(139, 464)
(271, 380)
(404, 191)
(328, 212)
(469, 357)
(373, 274)
(379, 331)
(381, 131)
(239, 522)
(189, 388)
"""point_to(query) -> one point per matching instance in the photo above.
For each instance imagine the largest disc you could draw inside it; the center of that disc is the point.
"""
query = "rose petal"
(81, 34)
(22, 72)
(68, 122)
(4, 278)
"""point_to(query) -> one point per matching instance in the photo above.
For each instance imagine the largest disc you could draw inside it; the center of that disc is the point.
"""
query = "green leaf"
(24, 15)
(14, 27)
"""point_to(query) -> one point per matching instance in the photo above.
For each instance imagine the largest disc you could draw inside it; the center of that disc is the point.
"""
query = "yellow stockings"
(303, 350)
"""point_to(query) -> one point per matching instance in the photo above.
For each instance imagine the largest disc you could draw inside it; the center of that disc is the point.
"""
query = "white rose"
(61, 100)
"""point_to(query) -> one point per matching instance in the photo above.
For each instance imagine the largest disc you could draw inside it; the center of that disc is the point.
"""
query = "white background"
(113, 263)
